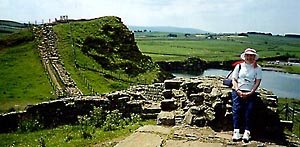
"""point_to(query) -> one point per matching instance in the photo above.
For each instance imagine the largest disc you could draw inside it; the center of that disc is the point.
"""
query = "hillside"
(104, 58)
(104, 46)
(23, 80)
(7, 26)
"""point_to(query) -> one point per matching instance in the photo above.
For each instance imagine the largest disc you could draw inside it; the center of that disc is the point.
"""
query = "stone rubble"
(50, 58)
(196, 102)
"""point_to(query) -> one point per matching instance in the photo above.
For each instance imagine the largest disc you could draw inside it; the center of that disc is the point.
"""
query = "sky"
(218, 16)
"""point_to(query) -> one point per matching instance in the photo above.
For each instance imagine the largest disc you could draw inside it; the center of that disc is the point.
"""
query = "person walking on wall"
(246, 78)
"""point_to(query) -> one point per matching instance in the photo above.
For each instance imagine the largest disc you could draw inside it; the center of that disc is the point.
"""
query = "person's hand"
(240, 93)
(245, 94)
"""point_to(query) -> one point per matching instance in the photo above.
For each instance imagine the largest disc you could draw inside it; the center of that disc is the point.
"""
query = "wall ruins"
(199, 101)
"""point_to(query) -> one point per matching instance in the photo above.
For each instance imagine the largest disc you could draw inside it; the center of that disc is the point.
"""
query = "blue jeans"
(241, 110)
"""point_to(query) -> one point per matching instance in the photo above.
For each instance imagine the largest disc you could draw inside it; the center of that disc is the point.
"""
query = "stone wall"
(51, 60)
(199, 101)
(206, 102)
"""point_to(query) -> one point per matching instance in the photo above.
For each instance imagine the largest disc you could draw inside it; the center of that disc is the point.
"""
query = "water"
(281, 84)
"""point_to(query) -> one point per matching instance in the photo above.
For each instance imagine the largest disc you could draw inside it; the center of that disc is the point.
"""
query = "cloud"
(275, 16)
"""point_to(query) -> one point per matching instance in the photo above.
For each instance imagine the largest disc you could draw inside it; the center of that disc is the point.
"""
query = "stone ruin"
(51, 60)
(205, 101)
(62, 18)
(199, 101)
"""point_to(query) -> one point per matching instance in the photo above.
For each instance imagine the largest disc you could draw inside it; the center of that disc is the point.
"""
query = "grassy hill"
(8, 27)
(106, 55)
(23, 80)
(105, 58)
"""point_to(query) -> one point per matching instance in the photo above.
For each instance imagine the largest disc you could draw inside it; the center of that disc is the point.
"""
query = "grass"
(292, 69)
(181, 49)
(221, 49)
(68, 136)
(295, 104)
(89, 73)
(23, 79)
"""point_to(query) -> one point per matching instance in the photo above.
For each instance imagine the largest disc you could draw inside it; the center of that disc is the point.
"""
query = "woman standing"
(246, 78)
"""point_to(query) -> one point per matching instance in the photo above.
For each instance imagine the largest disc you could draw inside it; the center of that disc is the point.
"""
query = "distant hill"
(167, 29)
(7, 26)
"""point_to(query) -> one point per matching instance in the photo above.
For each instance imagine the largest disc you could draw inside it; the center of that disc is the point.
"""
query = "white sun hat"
(249, 51)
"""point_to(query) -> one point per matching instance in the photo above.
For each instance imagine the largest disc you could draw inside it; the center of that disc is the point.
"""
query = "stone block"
(207, 89)
(166, 118)
(172, 84)
(167, 93)
(196, 98)
(168, 105)
(200, 121)
(287, 124)
(152, 110)
(149, 115)
(188, 118)
(194, 110)
(182, 103)
(272, 102)
(134, 107)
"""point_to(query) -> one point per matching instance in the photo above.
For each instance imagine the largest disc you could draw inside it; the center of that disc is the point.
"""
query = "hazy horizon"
(218, 16)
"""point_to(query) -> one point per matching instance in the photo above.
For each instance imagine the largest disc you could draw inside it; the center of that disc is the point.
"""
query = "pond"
(284, 85)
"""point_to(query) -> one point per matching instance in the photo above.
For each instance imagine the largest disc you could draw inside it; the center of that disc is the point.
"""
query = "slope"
(101, 55)
(23, 80)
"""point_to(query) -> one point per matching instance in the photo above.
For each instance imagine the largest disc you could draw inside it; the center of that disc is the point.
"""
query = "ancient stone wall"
(206, 102)
(199, 101)
(51, 60)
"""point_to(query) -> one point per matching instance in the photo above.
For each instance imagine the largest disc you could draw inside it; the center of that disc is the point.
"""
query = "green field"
(220, 48)
(23, 80)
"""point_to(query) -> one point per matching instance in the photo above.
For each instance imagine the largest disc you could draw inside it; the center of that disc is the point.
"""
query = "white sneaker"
(236, 135)
(246, 137)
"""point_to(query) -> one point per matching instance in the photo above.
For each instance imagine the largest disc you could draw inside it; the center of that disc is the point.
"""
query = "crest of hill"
(168, 29)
